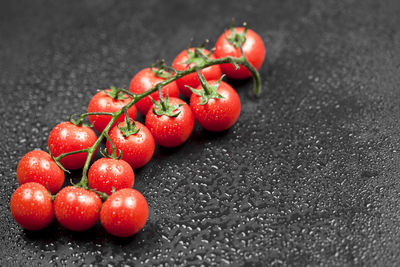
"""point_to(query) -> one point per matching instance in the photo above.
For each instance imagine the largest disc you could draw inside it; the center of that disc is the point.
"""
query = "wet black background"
(308, 175)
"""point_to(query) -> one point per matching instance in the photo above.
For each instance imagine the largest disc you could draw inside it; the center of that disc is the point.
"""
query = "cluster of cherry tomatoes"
(169, 122)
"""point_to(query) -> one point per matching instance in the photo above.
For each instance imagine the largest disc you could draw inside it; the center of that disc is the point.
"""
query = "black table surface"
(309, 175)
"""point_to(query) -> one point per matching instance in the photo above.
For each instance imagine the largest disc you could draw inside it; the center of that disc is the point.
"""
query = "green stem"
(102, 195)
(82, 116)
(94, 113)
(128, 92)
(256, 78)
(136, 97)
(114, 148)
(203, 82)
(255, 74)
(71, 153)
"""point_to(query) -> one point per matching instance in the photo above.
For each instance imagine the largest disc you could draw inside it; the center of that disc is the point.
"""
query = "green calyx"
(165, 108)
(129, 128)
(161, 70)
(209, 91)
(116, 93)
(197, 55)
(237, 39)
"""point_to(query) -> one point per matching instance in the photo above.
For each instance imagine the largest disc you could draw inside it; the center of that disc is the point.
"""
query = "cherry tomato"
(171, 131)
(77, 209)
(38, 166)
(253, 48)
(145, 80)
(102, 102)
(217, 114)
(68, 137)
(137, 149)
(180, 63)
(124, 213)
(32, 207)
(106, 173)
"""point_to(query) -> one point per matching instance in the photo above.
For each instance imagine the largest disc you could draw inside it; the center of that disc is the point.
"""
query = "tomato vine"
(196, 73)
(175, 75)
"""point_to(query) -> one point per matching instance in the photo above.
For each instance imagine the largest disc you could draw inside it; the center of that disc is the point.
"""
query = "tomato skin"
(31, 206)
(67, 137)
(77, 209)
(101, 102)
(38, 166)
(145, 80)
(137, 149)
(217, 114)
(106, 173)
(124, 213)
(210, 73)
(253, 48)
(171, 131)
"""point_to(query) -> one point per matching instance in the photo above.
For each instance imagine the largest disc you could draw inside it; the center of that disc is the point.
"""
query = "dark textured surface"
(308, 176)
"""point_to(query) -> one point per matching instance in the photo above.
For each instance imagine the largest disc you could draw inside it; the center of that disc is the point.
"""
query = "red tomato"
(67, 137)
(171, 131)
(77, 209)
(217, 114)
(124, 213)
(145, 80)
(32, 207)
(210, 73)
(101, 102)
(253, 48)
(137, 149)
(38, 166)
(106, 173)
